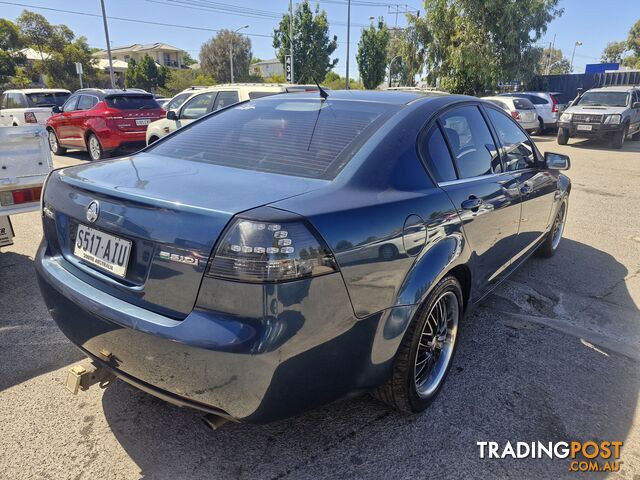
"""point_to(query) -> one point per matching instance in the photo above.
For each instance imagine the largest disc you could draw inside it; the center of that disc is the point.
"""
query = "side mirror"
(636, 105)
(56, 109)
(557, 161)
(172, 115)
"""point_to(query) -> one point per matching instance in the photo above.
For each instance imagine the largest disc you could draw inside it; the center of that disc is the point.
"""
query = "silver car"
(549, 106)
(520, 109)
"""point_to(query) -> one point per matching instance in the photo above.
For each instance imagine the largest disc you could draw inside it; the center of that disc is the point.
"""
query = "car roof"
(614, 88)
(37, 90)
(378, 96)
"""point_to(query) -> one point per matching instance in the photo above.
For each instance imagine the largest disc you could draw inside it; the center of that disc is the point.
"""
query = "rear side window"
(254, 95)
(518, 150)
(86, 102)
(224, 99)
(300, 137)
(471, 142)
(132, 102)
(16, 100)
(536, 100)
(178, 100)
(434, 150)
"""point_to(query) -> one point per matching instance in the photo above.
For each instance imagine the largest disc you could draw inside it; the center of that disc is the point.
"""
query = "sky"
(594, 23)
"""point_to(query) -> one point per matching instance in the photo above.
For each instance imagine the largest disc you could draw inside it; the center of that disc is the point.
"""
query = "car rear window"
(561, 98)
(300, 137)
(523, 104)
(47, 99)
(132, 102)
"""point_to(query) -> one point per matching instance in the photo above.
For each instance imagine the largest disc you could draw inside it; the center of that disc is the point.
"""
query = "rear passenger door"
(487, 198)
(536, 184)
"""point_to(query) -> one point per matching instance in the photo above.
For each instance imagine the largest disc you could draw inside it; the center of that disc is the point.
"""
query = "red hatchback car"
(100, 121)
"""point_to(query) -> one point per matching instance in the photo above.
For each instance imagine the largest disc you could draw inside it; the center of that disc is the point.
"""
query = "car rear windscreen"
(300, 137)
(48, 99)
(523, 104)
(132, 102)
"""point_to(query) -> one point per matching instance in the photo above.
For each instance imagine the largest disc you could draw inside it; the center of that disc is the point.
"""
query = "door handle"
(525, 189)
(472, 203)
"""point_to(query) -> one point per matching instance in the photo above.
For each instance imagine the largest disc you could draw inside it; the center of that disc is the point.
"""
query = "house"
(161, 53)
(267, 68)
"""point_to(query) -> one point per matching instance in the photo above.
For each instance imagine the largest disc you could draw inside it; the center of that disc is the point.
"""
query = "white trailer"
(25, 162)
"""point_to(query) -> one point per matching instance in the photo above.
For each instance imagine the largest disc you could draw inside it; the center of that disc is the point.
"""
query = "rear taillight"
(515, 114)
(271, 251)
(554, 108)
(17, 197)
(30, 117)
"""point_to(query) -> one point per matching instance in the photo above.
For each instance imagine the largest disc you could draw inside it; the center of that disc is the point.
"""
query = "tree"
(613, 52)
(335, 82)
(472, 44)
(188, 59)
(10, 43)
(182, 79)
(552, 62)
(372, 54)
(214, 56)
(146, 74)
(311, 43)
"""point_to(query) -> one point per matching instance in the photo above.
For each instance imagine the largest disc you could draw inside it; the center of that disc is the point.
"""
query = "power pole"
(291, 38)
(231, 58)
(551, 44)
(348, 35)
(106, 34)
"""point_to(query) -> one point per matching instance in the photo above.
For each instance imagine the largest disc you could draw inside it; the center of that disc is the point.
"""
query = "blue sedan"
(291, 250)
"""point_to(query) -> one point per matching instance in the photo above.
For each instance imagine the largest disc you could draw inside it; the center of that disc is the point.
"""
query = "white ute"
(25, 162)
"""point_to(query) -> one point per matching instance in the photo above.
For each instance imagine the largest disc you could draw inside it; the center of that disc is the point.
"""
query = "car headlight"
(613, 119)
(565, 117)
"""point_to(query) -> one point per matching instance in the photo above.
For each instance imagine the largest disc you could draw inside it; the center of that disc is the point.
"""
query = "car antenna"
(322, 91)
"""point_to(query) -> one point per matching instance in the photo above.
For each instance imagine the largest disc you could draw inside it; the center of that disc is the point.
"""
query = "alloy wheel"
(53, 141)
(94, 148)
(436, 344)
(558, 226)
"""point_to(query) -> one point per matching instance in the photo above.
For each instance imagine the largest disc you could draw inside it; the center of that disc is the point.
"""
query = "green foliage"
(10, 38)
(214, 56)
(472, 44)
(405, 54)
(372, 54)
(20, 79)
(633, 40)
(146, 74)
(335, 82)
(179, 80)
(277, 79)
(188, 59)
(626, 52)
(553, 60)
(613, 52)
(311, 43)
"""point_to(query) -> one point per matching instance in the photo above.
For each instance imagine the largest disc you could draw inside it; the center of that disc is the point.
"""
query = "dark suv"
(100, 121)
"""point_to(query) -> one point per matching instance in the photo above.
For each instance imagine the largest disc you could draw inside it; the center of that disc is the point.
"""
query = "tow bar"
(86, 374)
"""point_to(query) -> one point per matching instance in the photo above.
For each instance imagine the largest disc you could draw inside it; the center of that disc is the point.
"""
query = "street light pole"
(348, 36)
(577, 44)
(291, 39)
(106, 34)
(231, 50)
(391, 63)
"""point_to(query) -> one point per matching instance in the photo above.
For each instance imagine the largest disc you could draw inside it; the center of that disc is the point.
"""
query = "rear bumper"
(597, 129)
(306, 349)
(110, 140)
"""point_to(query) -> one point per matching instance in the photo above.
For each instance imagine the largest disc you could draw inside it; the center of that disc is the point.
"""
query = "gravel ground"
(552, 356)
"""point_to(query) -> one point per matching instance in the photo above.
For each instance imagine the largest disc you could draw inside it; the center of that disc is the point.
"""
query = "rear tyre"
(426, 351)
(540, 129)
(636, 136)
(552, 240)
(96, 152)
(152, 140)
(55, 147)
(563, 136)
(617, 141)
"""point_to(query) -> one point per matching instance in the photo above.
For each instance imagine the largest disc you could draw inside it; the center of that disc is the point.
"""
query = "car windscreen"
(132, 102)
(523, 104)
(47, 99)
(609, 99)
(299, 137)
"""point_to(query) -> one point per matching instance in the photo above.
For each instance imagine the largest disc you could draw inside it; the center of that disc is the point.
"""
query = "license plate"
(103, 250)
(143, 121)
(6, 232)
(585, 127)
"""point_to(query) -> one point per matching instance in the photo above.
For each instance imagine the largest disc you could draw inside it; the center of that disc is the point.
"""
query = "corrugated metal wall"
(569, 84)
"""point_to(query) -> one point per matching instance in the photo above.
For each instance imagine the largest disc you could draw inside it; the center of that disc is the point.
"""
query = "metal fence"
(569, 84)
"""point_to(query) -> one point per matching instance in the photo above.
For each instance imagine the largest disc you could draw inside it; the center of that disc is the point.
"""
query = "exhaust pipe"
(214, 422)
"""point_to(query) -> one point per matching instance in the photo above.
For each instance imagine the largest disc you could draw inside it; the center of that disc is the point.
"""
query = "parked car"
(30, 105)
(212, 99)
(549, 106)
(177, 100)
(521, 109)
(25, 162)
(611, 113)
(214, 269)
(100, 121)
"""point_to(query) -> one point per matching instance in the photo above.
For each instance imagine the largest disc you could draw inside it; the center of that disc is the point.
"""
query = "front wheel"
(96, 151)
(563, 136)
(552, 240)
(55, 147)
(426, 351)
(619, 137)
